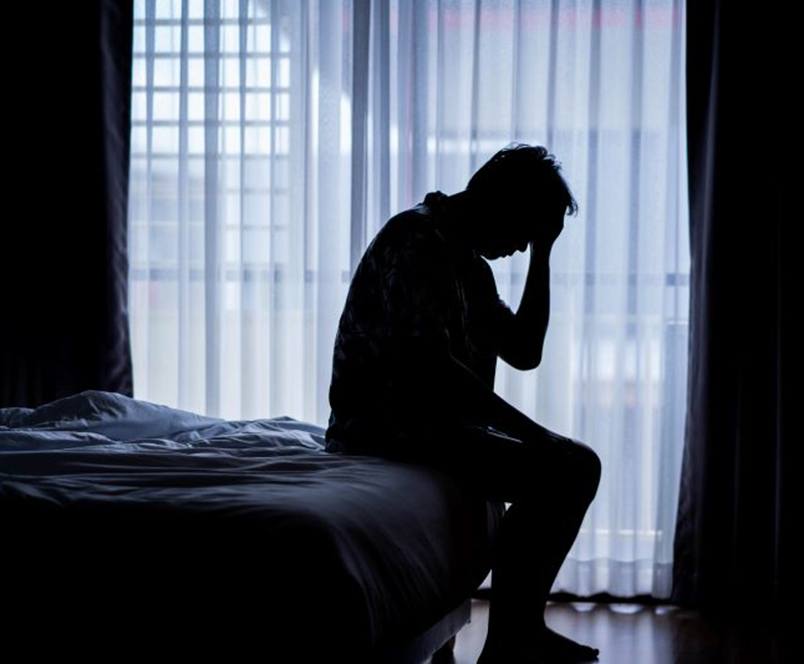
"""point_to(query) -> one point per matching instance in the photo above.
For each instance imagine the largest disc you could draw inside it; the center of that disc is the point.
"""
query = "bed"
(124, 518)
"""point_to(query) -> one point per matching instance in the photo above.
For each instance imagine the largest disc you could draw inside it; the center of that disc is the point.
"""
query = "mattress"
(111, 503)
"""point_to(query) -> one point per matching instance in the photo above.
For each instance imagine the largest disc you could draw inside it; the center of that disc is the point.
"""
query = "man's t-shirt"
(411, 284)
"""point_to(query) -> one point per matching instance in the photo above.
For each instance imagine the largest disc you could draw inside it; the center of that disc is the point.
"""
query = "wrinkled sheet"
(230, 512)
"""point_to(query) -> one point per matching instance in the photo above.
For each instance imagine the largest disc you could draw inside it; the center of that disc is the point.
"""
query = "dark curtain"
(735, 514)
(67, 108)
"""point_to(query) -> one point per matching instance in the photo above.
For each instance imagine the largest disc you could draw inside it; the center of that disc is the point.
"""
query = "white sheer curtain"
(271, 139)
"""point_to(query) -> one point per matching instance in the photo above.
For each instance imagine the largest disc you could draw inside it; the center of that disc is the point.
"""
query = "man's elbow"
(524, 361)
(532, 361)
(530, 353)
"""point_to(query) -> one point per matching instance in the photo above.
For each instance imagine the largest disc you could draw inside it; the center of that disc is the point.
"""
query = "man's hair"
(520, 171)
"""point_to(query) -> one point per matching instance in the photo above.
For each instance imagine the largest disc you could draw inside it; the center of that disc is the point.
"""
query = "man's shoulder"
(408, 225)
(405, 234)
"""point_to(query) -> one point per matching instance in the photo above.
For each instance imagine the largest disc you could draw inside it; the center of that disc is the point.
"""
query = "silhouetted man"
(413, 378)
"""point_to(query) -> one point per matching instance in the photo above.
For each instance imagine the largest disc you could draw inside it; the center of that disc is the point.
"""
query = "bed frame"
(435, 644)
(46, 592)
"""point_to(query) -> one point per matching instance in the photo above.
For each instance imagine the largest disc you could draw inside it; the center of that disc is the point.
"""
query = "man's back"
(410, 282)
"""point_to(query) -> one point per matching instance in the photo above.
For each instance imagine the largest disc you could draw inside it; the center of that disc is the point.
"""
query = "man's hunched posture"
(413, 378)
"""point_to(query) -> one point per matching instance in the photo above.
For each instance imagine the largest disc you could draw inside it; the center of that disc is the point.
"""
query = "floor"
(627, 633)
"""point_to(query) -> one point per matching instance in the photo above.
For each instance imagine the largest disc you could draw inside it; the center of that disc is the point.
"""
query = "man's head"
(516, 197)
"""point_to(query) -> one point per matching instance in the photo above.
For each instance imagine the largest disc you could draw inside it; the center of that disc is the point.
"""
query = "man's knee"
(587, 468)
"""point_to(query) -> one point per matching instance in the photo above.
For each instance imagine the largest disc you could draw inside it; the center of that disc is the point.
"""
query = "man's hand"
(455, 392)
(546, 235)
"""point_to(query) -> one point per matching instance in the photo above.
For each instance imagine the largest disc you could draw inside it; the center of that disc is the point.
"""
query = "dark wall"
(67, 110)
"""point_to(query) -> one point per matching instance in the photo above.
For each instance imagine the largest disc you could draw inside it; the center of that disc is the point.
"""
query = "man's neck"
(454, 223)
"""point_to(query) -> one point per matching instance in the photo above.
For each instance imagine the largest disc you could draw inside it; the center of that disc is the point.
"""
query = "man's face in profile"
(505, 230)
(502, 240)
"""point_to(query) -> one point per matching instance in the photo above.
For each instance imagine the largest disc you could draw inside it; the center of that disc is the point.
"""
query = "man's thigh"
(497, 465)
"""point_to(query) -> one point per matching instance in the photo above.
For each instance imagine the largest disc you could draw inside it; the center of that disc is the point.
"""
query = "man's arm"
(487, 406)
(449, 388)
(522, 339)
(522, 346)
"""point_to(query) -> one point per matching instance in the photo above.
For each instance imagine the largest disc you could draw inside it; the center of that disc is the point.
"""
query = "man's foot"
(563, 649)
(549, 647)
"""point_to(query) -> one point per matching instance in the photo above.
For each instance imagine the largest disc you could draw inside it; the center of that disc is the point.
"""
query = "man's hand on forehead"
(545, 235)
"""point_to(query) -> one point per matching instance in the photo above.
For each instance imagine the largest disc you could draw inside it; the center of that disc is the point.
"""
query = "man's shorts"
(501, 466)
